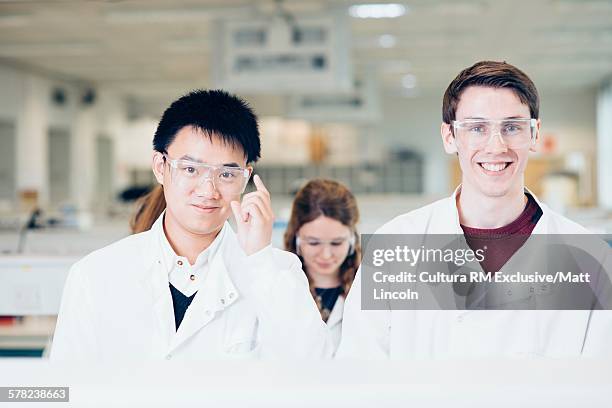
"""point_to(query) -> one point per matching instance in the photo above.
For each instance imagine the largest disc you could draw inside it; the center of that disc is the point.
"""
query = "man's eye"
(226, 175)
(477, 129)
(189, 170)
(314, 243)
(337, 243)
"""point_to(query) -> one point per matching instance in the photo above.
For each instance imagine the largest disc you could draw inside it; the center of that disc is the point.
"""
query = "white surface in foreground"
(457, 383)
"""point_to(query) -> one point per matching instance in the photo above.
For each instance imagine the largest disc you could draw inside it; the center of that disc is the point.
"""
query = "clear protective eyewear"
(315, 244)
(514, 133)
(188, 175)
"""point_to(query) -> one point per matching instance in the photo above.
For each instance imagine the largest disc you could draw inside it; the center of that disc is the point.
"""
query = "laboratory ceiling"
(148, 49)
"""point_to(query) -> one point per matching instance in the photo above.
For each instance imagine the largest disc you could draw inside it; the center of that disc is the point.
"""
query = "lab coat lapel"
(155, 281)
(446, 219)
(335, 316)
(544, 224)
(215, 293)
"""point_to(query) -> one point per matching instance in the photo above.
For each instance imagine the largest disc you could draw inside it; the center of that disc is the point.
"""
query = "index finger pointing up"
(259, 184)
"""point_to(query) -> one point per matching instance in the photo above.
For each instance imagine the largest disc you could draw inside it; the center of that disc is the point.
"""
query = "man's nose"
(206, 187)
(496, 144)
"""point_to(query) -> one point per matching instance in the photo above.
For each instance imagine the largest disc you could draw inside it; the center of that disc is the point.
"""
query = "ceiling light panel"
(378, 10)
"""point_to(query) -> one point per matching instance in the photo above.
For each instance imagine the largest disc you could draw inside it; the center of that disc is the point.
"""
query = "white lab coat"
(427, 334)
(117, 305)
(334, 324)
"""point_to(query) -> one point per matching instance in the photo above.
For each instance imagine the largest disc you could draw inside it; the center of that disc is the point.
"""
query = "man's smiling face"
(201, 209)
(493, 170)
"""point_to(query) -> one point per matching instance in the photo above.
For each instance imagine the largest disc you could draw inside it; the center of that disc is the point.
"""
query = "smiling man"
(491, 122)
(190, 287)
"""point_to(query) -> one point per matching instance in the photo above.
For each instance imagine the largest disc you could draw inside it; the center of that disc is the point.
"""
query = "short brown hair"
(493, 74)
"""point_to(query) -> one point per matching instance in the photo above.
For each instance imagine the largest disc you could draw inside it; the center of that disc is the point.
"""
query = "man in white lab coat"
(190, 287)
(491, 122)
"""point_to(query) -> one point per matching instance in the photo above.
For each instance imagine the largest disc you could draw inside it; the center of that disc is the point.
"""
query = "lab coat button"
(179, 262)
(169, 356)
(222, 301)
(231, 295)
(192, 277)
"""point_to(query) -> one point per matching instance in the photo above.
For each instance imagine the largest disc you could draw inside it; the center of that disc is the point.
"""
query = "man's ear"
(534, 146)
(448, 139)
(158, 165)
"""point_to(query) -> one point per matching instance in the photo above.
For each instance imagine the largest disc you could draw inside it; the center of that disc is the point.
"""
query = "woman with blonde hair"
(322, 232)
(148, 208)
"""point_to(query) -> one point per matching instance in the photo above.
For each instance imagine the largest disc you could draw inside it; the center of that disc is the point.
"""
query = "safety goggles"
(188, 175)
(314, 244)
(514, 133)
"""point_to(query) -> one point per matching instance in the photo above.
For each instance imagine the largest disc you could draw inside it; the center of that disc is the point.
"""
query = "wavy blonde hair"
(148, 209)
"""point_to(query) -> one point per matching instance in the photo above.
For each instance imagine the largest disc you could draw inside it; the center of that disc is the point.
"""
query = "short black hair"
(215, 113)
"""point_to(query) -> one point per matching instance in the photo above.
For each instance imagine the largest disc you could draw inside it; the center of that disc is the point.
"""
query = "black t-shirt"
(328, 297)
(180, 303)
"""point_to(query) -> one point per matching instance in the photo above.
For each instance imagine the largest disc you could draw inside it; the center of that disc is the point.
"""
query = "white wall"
(604, 146)
(571, 115)
(415, 123)
(11, 97)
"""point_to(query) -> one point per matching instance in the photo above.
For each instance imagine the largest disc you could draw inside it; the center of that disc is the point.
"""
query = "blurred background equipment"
(282, 52)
